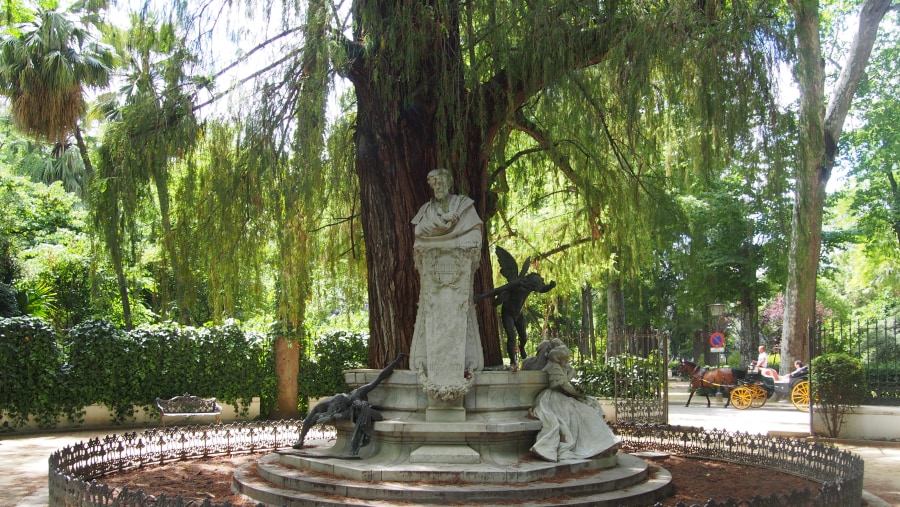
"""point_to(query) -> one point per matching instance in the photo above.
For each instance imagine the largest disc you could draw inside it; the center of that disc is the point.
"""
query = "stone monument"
(446, 432)
(446, 346)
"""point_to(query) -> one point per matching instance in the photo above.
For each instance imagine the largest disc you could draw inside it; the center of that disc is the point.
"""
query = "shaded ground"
(696, 481)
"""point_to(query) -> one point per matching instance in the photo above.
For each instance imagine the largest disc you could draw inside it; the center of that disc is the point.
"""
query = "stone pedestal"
(483, 461)
(489, 424)
(446, 348)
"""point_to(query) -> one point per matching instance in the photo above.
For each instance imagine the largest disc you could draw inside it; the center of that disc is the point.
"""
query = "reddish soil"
(695, 481)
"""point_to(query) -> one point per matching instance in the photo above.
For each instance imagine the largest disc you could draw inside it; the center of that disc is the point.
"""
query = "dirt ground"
(696, 481)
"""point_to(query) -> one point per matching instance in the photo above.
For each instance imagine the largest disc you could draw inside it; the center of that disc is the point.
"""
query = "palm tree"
(46, 65)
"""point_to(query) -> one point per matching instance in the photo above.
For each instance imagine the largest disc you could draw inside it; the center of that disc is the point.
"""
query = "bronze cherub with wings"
(511, 299)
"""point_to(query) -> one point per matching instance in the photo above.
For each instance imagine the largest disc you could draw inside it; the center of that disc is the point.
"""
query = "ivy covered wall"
(51, 376)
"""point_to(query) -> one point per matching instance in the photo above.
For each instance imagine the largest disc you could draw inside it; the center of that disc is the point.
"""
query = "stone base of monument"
(483, 460)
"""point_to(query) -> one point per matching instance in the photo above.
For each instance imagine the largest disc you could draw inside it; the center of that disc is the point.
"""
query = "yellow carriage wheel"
(800, 396)
(741, 397)
(759, 396)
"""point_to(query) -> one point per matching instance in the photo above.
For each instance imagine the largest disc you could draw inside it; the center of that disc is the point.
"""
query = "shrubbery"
(839, 383)
(639, 377)
(322, 374)
(31, 371)
(48, 376)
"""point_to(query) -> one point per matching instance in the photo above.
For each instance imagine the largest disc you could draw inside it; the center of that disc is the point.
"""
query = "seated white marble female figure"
(572, 423)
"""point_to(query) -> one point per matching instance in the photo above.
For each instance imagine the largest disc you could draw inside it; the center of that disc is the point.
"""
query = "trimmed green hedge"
(31, 372)
(323, 373)
(49, 376)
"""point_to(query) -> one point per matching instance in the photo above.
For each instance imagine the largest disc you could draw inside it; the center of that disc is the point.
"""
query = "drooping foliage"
(47, 64)
(564, 118)
(601, 96)
(153, 125)
(570, 119)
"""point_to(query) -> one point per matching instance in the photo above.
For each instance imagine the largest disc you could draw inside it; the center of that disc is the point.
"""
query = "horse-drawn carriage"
(745, 389)
(758, 386)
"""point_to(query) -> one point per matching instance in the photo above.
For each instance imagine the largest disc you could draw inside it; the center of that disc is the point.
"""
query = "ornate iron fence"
(840, 472)
(875, 343)
(75, 471)
(641, 378)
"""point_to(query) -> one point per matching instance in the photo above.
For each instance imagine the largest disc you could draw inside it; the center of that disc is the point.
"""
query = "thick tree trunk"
(819, 134)
(803, 262)
(749, 315)
(287, 359)
(400, 137)
(700, 346)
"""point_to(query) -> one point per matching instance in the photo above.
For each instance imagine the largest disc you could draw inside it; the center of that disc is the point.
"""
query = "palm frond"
(45, 66)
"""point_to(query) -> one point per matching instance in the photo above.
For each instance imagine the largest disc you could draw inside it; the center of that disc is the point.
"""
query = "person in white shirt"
(762, 361)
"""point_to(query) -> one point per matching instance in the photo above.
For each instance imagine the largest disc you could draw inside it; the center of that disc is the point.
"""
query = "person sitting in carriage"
(762, 361)
(799, 369)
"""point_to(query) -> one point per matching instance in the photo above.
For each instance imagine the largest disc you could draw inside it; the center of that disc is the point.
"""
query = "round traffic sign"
(717, 339)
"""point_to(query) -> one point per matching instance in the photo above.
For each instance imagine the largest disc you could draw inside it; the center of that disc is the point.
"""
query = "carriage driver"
(761, 365)
(762, 362)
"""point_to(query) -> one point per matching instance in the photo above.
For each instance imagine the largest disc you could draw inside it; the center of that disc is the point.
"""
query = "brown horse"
(710, 380)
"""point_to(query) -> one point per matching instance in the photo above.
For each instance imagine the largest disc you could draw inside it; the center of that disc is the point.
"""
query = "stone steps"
(631, 482)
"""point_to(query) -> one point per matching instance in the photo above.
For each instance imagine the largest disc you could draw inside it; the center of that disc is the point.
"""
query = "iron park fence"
(76, 471)
(876, 343)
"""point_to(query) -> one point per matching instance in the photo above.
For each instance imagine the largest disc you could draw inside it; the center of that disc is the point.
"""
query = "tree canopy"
(251, 152)
(47, 64)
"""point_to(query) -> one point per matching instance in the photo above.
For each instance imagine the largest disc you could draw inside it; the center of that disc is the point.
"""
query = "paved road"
(882, 474)
(23, 458)
(773, 418)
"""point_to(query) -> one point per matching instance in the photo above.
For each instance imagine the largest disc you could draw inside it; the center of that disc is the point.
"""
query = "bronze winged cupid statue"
(511, 297)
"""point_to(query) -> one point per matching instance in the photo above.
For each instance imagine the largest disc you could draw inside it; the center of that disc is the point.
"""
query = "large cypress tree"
(596, 103)
(441, 83)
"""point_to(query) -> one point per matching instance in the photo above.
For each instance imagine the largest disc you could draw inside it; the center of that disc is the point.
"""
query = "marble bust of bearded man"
(447, 220)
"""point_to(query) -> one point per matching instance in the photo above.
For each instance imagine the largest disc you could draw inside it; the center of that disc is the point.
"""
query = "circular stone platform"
(483, 459)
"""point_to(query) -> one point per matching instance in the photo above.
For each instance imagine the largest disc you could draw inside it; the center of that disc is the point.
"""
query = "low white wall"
(865, 423)
(609, 409)
(98, 416)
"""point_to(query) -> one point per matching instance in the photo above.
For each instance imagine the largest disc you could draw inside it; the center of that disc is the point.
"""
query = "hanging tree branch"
(243, 58)
(240, 82)
(562, 248)
(528, 127)
(613, 143)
